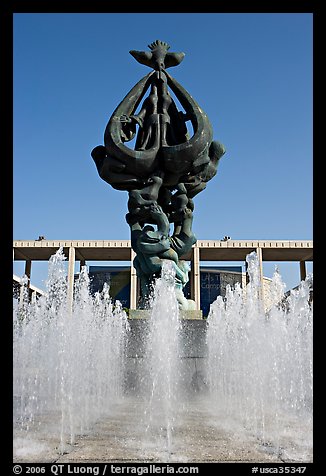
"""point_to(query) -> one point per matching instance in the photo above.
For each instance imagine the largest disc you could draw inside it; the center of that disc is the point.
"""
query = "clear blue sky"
(250, 72)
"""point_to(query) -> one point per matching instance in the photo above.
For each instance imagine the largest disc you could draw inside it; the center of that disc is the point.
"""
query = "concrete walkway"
(197, 436)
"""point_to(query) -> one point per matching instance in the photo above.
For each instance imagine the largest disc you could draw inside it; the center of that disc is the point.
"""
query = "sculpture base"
(145, 314)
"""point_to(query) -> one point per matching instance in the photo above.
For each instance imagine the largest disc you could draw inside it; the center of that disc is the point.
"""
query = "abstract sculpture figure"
(164, 171)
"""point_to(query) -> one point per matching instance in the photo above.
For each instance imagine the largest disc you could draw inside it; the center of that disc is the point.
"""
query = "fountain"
(260, 365)
(163, 359)
(70, 372)
(67, 365)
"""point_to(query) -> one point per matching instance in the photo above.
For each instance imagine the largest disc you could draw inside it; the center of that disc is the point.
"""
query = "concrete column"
(191, 276)
(28, 267)
(259, 252)
(33, 297)
(303, 271)
(244, 277)
(133, 282)
(247, 274)
(195, 277)
(71, 272)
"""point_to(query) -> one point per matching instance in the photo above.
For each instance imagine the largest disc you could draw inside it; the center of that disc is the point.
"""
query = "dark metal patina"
(164, 171)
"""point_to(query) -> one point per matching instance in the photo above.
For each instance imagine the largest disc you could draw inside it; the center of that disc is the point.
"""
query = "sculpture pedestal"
(145, 314)
(192, 355)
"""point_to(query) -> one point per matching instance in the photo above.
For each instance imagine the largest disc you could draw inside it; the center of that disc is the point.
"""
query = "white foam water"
(67, 365)
(69, 368)
(163, 360)
(260, 364)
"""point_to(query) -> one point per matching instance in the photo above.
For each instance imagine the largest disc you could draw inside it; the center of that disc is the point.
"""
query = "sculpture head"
(158, 58)
(159, 50)
(184, 266)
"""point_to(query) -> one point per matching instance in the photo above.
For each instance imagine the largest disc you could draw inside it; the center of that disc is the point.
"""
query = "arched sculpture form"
(164, 171)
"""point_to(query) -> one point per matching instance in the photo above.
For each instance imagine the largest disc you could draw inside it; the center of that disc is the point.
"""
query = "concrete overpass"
(203, 250)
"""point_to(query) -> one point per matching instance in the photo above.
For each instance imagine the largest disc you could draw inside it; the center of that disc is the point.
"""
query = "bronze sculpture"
(164, 171)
